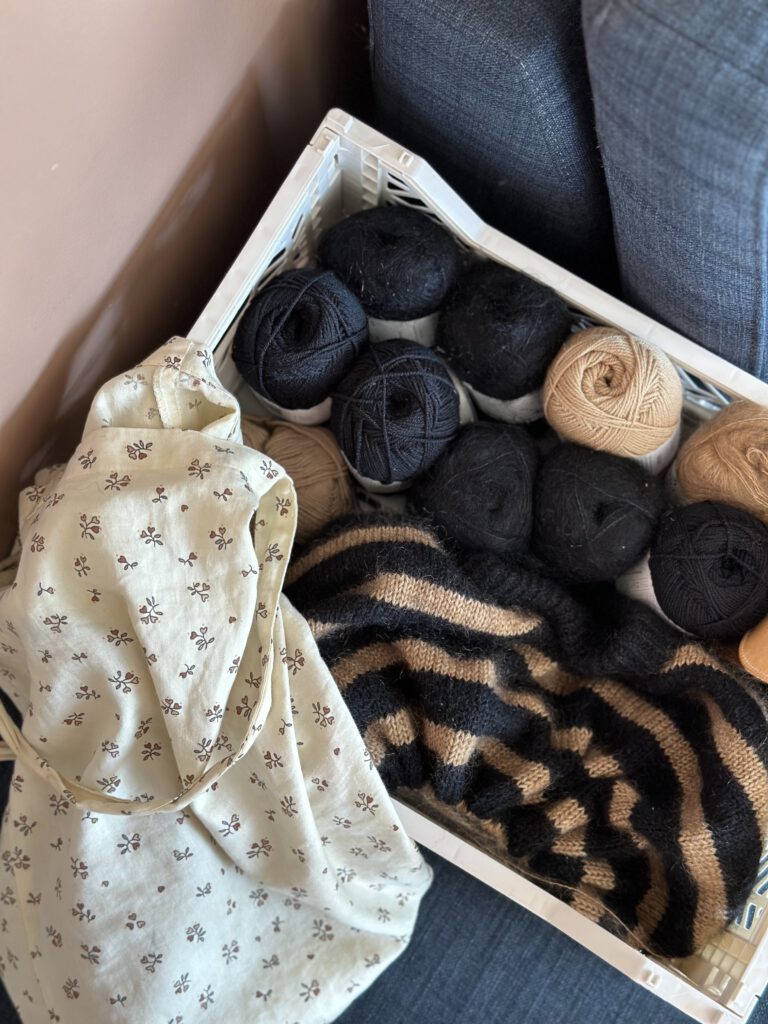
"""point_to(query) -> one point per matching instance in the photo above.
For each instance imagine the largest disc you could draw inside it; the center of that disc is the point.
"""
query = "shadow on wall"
(181, 257)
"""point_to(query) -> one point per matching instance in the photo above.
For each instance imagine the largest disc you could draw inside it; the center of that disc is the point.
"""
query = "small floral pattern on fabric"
(195, 830)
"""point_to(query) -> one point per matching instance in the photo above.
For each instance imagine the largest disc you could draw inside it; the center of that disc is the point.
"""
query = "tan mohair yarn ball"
(311, 457)
(726, 459)
(610, 391)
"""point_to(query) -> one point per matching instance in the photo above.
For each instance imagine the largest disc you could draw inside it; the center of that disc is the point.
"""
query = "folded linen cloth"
(611, 758)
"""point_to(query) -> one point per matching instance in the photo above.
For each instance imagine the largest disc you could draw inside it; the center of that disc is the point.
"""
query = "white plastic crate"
(348, 167)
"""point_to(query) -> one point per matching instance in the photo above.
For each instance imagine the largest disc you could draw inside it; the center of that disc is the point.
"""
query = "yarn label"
(467, 412)
(658, 460)
(638, 584)
(525, 409)
(375, 486)
(422, 331)
(303, 417)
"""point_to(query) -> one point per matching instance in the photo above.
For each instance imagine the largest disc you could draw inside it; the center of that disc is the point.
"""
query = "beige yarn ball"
(726, 459)
(608, 390)
(313, 460)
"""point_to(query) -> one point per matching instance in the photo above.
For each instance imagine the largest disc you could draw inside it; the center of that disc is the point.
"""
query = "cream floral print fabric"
(195, 831)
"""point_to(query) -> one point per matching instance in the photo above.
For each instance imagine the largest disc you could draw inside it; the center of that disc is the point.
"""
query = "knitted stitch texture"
(609, 757)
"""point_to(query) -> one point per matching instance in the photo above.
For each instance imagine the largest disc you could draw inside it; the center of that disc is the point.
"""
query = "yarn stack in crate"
(515, 434)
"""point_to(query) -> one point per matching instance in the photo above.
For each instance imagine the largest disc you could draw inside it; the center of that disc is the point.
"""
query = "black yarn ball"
(594, 513)
(500, 330)
(480, 491)
(395, 411)
(398, 261)
(299, 336)
(709, 566)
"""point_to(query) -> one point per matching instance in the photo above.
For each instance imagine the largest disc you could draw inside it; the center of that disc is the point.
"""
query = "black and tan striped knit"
(608, 756)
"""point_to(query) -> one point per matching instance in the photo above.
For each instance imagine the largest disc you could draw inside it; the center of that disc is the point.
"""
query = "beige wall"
(140, 141)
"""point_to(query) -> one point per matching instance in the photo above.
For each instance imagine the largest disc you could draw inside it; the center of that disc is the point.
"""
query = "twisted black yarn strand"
(395, 411)
(299, 336)
(398, 261)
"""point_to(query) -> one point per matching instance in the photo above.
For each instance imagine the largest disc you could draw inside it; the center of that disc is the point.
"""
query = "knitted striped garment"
(605, 754)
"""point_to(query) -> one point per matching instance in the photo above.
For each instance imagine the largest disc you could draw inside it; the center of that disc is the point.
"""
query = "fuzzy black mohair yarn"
(299, 336)
(709, 566)
(479, 493)
(594, 513)
(398, 261)
(395, 411)
(500, 330)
